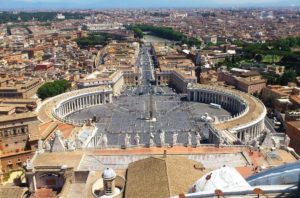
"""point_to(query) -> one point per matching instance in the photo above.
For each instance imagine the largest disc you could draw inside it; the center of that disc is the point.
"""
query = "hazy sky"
(10, 4)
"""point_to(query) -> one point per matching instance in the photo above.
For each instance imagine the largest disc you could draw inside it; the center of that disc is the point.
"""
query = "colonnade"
(252, 132)
(80, 102)
(235, 103)
(228, 101)
(73, 103)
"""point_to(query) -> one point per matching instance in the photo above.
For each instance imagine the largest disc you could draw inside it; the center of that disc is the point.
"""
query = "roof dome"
(108, 173)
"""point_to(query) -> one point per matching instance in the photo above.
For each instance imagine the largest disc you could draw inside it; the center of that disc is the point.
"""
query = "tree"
(163, 32)
(138, 33)
(52, 89)
(93, 39)
(288, 76)
(258, 57)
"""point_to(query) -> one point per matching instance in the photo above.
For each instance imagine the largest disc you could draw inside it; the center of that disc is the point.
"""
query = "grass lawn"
(269, 59)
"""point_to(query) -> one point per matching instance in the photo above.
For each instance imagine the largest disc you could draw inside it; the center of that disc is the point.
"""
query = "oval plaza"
(243, 125)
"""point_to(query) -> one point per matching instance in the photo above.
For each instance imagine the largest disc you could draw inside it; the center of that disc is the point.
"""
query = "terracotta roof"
(161, 177)
(66, 129)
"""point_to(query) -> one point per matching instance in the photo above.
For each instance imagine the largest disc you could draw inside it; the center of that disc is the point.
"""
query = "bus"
(216, 106)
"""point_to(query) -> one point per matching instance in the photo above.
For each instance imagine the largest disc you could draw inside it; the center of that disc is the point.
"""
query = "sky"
(44, 4)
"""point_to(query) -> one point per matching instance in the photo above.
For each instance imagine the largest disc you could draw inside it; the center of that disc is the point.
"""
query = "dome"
(223, 178)
(108, 174)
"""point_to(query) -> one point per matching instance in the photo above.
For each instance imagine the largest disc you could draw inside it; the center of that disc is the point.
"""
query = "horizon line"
(278, 7)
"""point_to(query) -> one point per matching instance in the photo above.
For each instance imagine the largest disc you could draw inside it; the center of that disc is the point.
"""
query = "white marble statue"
(47, 145)
(29, 164)
(78, 142)
(127, 140)
(274, 142)
(189, 138)
(174, 138)
(287, 140)
(198, 139)
(137, 139)
(40, 146)
(104, 141)
(70, 145)
(151, 140)
(162, 138)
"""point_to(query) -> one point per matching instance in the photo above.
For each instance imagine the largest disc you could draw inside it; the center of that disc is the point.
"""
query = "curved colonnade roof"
(256, 108)
(45, 109)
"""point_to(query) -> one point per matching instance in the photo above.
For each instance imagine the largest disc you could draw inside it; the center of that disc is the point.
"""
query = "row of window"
(14, 131)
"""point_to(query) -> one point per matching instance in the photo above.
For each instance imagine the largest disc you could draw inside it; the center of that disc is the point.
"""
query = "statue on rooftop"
(198, 139)
(47, 145)
(70, 146)
(127, 140)
(287, 140)
(104, 141)
(151, 140)
(189, 139)
(40, 146)
(174, 138)
(137, 139)
(162, 138)
(78, 142)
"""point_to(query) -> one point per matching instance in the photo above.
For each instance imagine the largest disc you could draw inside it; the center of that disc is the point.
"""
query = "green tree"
(288, 76)
(54, 88)
(258, 57)
(138, 33)
(93, 39)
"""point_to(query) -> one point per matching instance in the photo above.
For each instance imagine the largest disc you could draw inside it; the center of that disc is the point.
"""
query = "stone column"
(110, 97)
(71, 107)
(104, 98)
(65, 109)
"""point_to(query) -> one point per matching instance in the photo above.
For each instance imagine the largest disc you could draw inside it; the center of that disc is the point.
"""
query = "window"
(14, 131)
(23, 130)
(108, 187)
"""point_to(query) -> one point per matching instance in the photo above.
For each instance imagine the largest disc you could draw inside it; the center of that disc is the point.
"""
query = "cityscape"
(140, 99)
